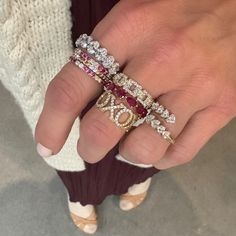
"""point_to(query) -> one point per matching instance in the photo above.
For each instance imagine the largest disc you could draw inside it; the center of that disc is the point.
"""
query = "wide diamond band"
(100, 54)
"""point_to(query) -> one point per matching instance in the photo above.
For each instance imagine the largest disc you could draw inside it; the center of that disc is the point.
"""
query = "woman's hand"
(182, 52)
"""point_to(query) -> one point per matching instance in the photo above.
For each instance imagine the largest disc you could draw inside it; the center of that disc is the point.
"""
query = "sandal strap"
(81, 222)
(135, 199)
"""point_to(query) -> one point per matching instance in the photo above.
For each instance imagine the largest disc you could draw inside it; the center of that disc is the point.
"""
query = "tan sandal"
(87, 225)
(129, 202)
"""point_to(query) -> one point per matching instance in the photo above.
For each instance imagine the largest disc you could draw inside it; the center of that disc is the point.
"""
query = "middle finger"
(98, 134)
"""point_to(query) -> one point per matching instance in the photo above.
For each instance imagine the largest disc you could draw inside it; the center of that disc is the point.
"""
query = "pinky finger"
(200, 128)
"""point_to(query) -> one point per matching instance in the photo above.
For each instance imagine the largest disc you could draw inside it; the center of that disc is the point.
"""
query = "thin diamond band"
(163, 112)
(159, 128)
(92, 64)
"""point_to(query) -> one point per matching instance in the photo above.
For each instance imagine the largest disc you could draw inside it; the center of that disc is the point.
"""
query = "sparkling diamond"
(120, 79)
(83, 44)
(90, 49)
(165, 114)
(160, 109)
(101, 54)
(108, 61)
(98, 57)
(149, 118)
(95, 44)
(102, 51)
(127, 85)
(141, 95)
(155, 105)
(171, 119)
(82, 38)
(77, 42)
(155, 124)
(89, 39)
(166, 134)
(161, 129)
(94, 66)
(135, 92)
(114, 68)
(148, 101)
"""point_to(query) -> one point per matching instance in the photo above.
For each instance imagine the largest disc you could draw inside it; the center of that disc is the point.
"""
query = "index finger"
(67, 95)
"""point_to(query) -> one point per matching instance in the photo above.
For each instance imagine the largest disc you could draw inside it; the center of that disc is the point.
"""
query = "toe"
(90, 228)
(126, 205)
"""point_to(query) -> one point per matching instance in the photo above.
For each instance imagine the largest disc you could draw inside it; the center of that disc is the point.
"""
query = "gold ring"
(122, 116)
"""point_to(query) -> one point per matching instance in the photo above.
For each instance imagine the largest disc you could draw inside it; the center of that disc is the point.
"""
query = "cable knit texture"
(35, 42)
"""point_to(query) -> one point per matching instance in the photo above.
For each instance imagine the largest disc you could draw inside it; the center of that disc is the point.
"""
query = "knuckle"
(225, 107)
(134, 18)
(62, 95)
(97, 132)
(144, 152)
(170, 50)
(181, 154)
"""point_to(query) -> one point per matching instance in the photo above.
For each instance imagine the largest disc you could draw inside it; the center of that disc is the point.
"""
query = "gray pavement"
(195, 199)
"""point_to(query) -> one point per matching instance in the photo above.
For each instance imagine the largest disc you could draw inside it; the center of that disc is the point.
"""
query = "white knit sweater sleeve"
(35, 42)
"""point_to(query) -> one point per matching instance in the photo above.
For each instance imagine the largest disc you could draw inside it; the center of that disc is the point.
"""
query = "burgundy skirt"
(108, 176)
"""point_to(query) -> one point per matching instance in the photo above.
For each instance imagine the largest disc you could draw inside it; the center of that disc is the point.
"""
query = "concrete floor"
(196, 199)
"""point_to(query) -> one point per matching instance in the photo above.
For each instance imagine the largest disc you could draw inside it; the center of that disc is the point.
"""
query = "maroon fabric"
(87, 13)
(108, 176)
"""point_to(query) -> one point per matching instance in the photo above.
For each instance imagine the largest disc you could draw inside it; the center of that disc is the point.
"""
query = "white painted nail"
(43, 151)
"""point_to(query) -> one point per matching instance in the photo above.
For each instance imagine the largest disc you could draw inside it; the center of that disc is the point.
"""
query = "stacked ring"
(93, 65)
(159, 128)
(101, 55)
(130, 100)
(119, 113)
(134, 89)
(102, 67)
(163, 112)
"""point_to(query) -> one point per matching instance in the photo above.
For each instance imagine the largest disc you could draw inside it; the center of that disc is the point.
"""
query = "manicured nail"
(43, 151)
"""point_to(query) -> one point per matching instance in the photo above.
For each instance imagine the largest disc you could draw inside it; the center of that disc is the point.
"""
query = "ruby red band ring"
(92, 64)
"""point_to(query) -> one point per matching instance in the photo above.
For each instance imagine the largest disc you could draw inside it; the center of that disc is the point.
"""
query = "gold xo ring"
(122, 116)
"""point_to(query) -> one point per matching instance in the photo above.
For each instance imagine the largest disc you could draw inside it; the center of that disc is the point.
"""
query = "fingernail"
(43, 151)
